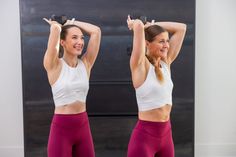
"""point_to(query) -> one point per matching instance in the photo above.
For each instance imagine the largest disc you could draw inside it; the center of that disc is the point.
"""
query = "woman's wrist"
(138, 23)
(55, 26)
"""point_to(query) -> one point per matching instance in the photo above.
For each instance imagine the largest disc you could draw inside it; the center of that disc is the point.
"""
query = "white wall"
(11, 114)
(215, 80)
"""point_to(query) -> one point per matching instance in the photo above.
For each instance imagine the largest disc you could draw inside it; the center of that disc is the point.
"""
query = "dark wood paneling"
(110, 133)
(111, 101)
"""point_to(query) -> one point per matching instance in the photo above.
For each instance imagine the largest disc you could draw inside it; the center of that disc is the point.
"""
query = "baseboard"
(11, 151)
(215, 150)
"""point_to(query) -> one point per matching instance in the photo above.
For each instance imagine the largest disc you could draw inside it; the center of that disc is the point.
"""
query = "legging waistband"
(70, 120)
(157, 129)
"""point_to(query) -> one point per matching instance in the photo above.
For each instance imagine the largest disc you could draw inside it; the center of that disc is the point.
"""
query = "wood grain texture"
(111, 101)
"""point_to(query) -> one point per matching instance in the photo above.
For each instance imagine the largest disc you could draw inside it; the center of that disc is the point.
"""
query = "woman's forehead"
(74, 31)
(162, 35)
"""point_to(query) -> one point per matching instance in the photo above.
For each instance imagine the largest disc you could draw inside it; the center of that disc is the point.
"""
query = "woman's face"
(74, 41)
(159, 46)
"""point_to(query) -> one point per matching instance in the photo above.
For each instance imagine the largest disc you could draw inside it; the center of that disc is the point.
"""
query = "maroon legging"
(70, 136)
(151, 139)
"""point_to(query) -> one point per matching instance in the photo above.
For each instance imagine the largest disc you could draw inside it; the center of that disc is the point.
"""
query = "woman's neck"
(71, 60)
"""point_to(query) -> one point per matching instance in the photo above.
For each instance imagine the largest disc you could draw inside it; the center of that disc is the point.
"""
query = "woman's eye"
(162, 41)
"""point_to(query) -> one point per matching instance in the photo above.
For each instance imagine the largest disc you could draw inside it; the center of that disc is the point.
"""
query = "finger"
(67, 22)
(128, 26)
(48, 21)
(153, 21)
(129, 17)
(72, 21)
(45, 19)
(128, 21)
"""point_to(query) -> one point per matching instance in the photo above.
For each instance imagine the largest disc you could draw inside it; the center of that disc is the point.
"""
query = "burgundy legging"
(151, 139)
(70, 136)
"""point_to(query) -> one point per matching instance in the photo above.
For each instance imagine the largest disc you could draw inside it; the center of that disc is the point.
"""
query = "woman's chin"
(78, 53)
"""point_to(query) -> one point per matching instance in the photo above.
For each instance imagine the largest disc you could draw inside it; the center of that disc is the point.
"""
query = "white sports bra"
(152, 94)
(72, 84)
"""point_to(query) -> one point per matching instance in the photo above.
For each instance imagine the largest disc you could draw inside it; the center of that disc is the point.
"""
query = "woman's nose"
(166, 44)
(80, 41)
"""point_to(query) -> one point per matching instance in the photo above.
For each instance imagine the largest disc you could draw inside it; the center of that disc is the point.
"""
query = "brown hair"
(64, 30)
(150, 33)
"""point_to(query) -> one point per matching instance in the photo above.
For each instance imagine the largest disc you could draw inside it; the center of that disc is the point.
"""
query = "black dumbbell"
(142, 18)
(60, 19)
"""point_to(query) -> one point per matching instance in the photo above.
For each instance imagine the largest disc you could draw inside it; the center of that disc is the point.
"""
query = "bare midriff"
(156, 115)
(73, 108)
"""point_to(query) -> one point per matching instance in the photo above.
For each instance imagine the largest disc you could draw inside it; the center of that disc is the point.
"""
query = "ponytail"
(156, 64)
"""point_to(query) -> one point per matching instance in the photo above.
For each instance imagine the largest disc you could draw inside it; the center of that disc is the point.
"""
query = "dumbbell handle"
(142, 18)
(60, 19)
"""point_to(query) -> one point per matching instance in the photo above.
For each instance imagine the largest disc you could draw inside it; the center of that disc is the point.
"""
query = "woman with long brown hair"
(152, 55)
(68, 76)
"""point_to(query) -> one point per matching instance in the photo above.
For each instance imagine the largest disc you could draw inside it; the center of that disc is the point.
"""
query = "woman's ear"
(62, 42)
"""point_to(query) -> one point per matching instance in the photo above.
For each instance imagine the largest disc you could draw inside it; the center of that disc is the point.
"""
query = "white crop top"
(72, 84)
(151, 94)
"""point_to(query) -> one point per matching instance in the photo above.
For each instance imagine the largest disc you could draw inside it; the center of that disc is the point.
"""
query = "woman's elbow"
(183, 27)
(97, 30)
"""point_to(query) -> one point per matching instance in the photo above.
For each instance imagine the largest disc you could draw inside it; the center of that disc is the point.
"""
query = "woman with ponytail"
(68, 76)
(152, 55)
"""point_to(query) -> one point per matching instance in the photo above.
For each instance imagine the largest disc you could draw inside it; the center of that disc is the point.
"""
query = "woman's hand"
(50, 22)
(149, 24)
(70, 22)
(130, 23)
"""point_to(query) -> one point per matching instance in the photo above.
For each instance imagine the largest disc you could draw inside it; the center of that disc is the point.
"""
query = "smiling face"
(73, 41)
(159, 46)
(157, 42)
